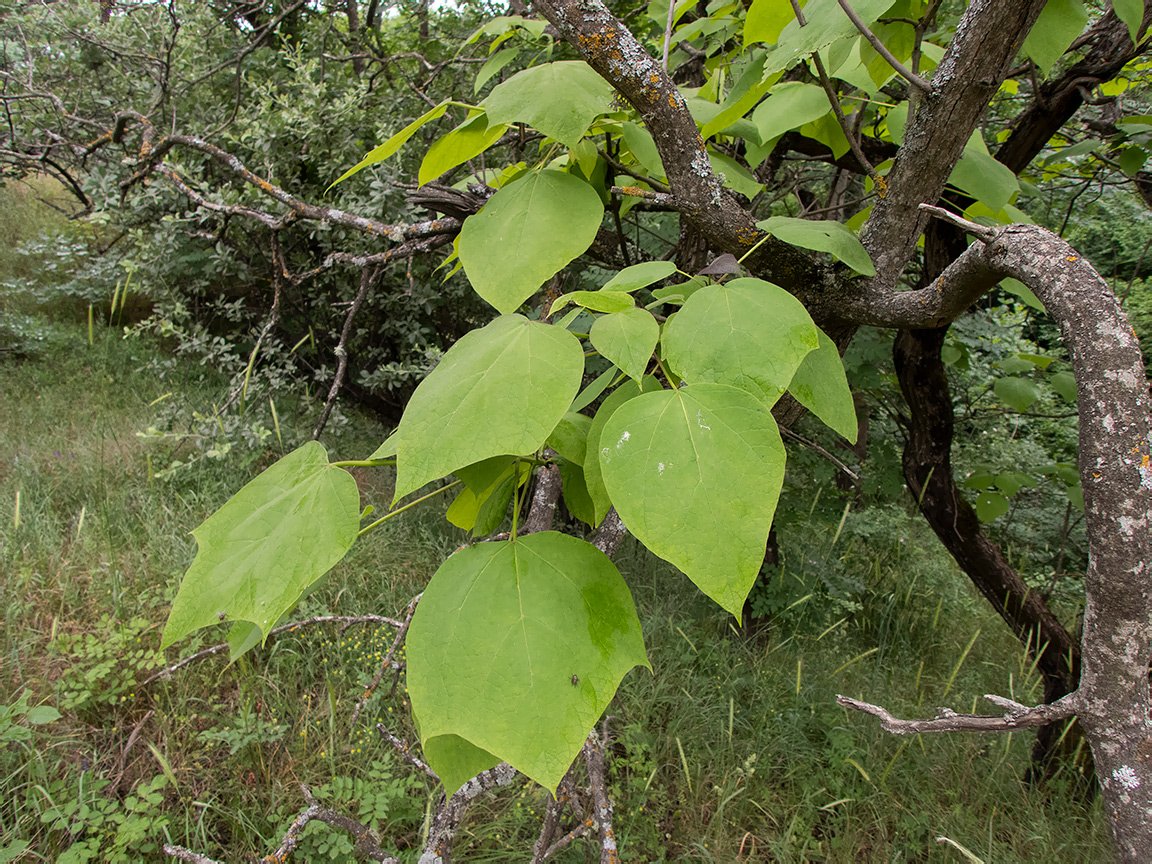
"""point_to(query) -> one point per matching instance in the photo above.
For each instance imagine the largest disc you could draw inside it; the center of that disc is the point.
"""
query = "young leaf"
(500, 632)
(831, 237)
(526, 232)
(821, 386)
(747, 333)
(271, 540)
(469, 139)
(560, 99)
(597, 301)
(575, 490)
(379, 154)
(492, 67)
(695, 474)
(1059, 24)
(499, 390)
(640, 276)
(627, 338)
(488, 486)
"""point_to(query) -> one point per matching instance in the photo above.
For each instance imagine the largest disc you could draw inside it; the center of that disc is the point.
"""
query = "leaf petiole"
(399, 510)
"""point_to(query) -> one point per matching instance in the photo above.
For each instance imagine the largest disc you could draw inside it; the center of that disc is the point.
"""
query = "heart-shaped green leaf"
(270, 541)
(695, 474)
(592, 476)
(526, 232)
(499, 390)
(517, 648)
(627, 338)
(747, 333)
(1019, 393)
(560, 99)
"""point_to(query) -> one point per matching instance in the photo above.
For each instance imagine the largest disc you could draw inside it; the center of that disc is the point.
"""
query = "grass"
(733, 750)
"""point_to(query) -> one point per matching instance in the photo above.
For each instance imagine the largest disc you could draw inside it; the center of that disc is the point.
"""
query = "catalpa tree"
(519, 643)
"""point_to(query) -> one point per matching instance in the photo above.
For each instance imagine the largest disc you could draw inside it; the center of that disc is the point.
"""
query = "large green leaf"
(747, 333)
(789, 106)
(526, 232)
(560, 99)
(826, 22)
(271, 540)
(627, 338)
(821, 386)
(379, 154)
(499, 390)
(597, 301)
(1059, 24)
(469, 139)
(695, 474)
(593, 479)
(517, 648)
(823, 236)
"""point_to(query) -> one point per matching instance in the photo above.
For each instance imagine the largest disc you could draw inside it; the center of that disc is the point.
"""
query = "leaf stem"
(399, 510)
(667, 377)
(362, 463)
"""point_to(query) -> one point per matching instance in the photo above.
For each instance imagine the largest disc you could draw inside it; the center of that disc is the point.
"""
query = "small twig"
(366, 843)
(909, 76)
(982, 232)
(401, 632)
(853, 141)
(668, 32)
(367, 275)
(611, 531)
(404, 750)
(123, 758)
(346, 620)
(1015, 716)
(662, 198)
(812, 445)
(450, 811)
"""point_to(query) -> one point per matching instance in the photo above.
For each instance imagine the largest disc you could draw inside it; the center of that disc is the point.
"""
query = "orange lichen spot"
(1069, 257)
(633, 191)
(654, 78)
(672, 100)
(1144, 461)
(882, 187)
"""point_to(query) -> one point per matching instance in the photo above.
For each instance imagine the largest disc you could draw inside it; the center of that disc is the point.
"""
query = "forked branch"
(1015, 716)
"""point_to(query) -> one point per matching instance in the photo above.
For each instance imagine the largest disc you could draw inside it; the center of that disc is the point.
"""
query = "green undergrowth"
(733, 750)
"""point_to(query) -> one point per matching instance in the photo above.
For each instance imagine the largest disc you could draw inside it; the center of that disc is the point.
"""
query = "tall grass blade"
(960, 662)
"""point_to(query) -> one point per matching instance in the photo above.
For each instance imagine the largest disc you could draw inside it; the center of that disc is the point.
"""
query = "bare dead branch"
(602, 804)
(982, 231)
(1015, 716)
(182, 854)
(404, 750)
(366, 843)
(816, 448)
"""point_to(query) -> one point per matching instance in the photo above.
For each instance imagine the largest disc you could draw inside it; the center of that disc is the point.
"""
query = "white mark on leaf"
(700, 421)
(660, 468)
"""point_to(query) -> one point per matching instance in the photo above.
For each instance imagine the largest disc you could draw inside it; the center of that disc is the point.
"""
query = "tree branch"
(1016, 716)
